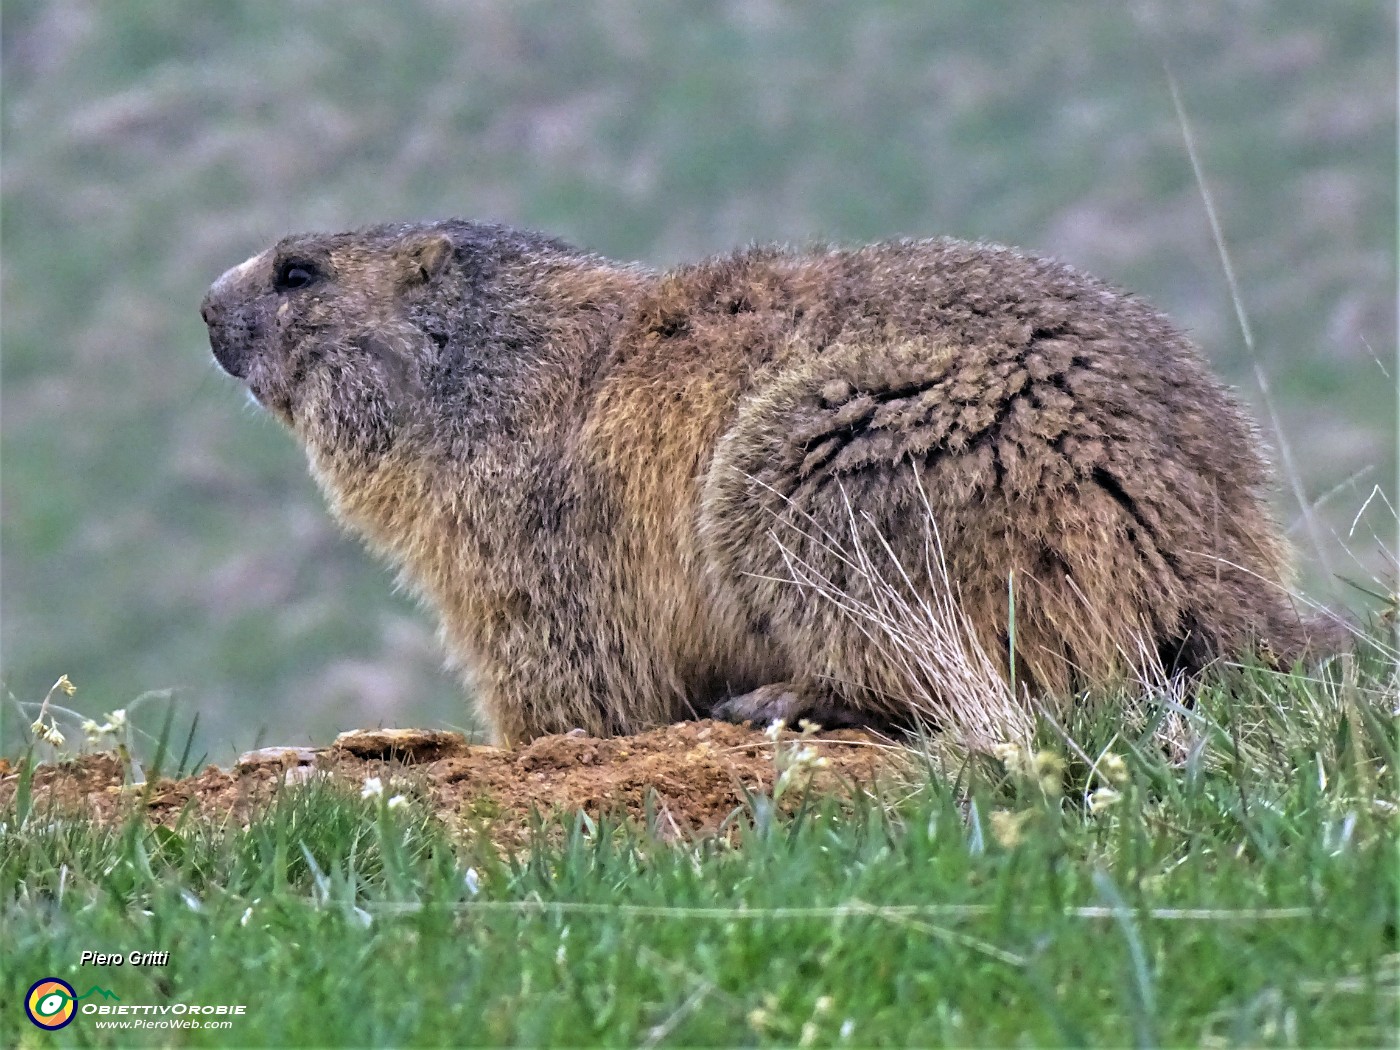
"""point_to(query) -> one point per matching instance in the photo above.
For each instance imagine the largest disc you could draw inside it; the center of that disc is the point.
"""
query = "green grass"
(1240, 890)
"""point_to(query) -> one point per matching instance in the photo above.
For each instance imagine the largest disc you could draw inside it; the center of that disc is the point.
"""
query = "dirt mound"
(686, 777)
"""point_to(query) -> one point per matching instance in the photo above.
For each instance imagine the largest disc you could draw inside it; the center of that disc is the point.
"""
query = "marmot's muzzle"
(228, 330)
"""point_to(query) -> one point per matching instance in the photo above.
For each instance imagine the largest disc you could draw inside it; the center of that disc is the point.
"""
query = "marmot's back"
(634, 497)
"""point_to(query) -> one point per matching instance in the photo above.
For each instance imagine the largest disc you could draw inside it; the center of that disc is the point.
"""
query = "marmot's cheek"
(388, 363)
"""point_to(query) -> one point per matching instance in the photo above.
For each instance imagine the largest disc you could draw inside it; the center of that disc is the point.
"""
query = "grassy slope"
(338, 921)
(158, 534)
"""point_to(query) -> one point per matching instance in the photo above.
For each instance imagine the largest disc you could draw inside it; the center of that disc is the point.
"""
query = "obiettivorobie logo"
(52, 1004)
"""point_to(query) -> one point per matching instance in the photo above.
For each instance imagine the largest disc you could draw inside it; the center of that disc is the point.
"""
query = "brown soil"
(684, 778)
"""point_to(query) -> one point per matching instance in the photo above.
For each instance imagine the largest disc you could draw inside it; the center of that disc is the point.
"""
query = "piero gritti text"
(118, 959)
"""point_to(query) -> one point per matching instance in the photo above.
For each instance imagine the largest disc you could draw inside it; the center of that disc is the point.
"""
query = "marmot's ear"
(423, 257)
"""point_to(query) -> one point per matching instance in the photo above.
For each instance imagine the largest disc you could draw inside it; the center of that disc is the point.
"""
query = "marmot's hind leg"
(878, 492)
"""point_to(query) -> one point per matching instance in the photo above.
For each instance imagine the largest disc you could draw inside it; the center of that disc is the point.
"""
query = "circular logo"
(50, 1003)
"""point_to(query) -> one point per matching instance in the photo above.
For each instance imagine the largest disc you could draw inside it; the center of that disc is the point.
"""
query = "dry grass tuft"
(913, 618)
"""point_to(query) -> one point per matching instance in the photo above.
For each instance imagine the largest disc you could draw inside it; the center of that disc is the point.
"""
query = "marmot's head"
(349, 337)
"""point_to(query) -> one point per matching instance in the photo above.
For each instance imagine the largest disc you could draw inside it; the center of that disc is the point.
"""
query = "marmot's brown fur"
(602, 477)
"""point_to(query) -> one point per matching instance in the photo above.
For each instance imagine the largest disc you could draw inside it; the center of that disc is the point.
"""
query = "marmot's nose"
(216, 301)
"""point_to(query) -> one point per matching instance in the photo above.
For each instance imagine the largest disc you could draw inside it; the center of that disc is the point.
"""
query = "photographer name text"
(130, 959)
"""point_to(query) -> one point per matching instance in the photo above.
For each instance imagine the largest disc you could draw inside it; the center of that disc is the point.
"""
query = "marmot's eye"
(295, 274)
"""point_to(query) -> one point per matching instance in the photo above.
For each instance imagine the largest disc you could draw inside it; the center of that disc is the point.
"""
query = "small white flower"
(1008, 827)
(775, 729)
(1016, 760)
(472, 881)
(397, 801)
(848, 1028)
(373, 788)
(247, 914)
(52, 735)
(1113, 769)
(116, 719)
(1012, 756)
(1049, 769)
(1102, 799)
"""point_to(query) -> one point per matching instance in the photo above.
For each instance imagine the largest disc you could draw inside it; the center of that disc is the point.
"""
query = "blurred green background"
(158, 533)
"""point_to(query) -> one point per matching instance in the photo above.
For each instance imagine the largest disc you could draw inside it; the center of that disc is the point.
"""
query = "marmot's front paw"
(783, 700)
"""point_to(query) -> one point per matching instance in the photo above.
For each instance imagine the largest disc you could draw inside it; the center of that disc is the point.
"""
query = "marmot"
(603, 477)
